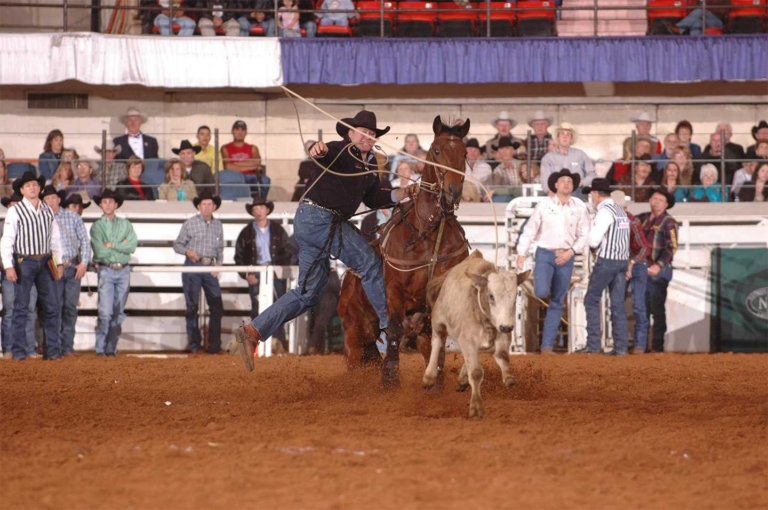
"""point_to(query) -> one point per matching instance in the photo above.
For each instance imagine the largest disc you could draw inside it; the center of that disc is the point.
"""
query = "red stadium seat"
(256, 32)
(457, 23)
(661, 12)
(370, 16)
(502, 19)
(538, 22)
(176, 28)
(416, 24)
(333, 30)
(747, 16)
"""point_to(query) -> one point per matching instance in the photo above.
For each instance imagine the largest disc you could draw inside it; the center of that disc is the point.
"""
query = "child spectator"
(288, 20)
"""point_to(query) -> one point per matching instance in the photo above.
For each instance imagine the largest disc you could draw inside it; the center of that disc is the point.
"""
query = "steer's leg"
(462, 383)
(432, 373)
(501, 355)
(475, 371)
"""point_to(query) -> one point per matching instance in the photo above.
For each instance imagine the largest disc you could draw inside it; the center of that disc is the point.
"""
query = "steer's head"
(497, 293)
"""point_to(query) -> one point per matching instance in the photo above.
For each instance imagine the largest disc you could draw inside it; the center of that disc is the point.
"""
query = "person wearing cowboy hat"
(31, 248)
(539, 142)
(201, 241)
(328, 204)
(609, 238)
(136, 143)
(76, 256)
(660, 230)
(84, 182)
(559, 226)
(262, 243)
(197, 171)
(113, 240)
(503, 125)
(476, 167)
(116, 170)
(759, 133)
(573, 159)
(75, 204)
(505, 181)
(245, 158)
(643, 124)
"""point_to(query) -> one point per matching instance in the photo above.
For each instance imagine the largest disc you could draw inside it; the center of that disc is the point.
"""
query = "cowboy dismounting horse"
(421, 240)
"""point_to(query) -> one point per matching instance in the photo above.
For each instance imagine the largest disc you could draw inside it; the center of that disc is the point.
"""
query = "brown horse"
(421, 240)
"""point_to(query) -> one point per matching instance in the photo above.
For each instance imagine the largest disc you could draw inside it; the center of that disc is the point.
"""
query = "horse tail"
(433, 289)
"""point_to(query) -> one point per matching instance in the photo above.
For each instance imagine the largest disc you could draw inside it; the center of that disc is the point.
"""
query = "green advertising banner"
(739, 300)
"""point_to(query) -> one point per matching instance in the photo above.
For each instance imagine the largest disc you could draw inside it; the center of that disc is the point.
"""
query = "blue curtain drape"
(517, 60)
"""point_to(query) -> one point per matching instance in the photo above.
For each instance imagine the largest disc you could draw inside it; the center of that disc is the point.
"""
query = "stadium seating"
(538, 21)
(455, 23)
(154, 175)
(416, 24)
(229, 192)
(747, 16)
(661, 12)
(16, 170)
(502, 19)
(370, 14)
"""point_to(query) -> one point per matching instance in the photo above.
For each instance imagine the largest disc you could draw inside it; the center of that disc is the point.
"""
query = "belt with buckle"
(559, 251)
(70, 262)
(115, 267)
(207, 261)
(33, 257)
(315, 204)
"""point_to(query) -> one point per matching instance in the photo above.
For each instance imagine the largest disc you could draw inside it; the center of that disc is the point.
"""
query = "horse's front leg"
(390, 377)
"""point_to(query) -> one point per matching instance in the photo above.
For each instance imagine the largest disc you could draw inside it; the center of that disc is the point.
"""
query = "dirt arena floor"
(654, 431)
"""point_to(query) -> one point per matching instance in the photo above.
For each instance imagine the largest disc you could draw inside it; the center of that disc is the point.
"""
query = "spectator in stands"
(643, 180)
(643, 124)
(643, 145)
(744, 174)
(163, 20)
(69, 155)
(245, 158)
(328, 15)
(136, 143)
(76, 256)
(207, 153)
(709, 191)
(307, 19)
(682, 157)
(201, 241)
(540, 123)
(306, 171)
(63, 177)
(113, 240)
(660, 230)
(75, 204)
(262, 243)
(712, 155)
(759, 133)
(6, 190)
(404, 175)
(505, 181)
(671, 181)
(734, 148)
(177, 186)
(567, 157)
(503, 125)
(692, 23)
(477, 168)
(684, 132)
(262, 16)
(84, 181)
(220, 15)
(532, 176)
(48, 161)
(116, 170)
(197, 171)
(758, 193)
(133, 188)
(411, 147)
(761, 149)
(670, 142)
(288, 19)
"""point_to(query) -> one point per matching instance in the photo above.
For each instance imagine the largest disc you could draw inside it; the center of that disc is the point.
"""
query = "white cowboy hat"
(540, 115)
(110, 147)
(566, 126)
(643, 117)
(133, 112)
(503, 115)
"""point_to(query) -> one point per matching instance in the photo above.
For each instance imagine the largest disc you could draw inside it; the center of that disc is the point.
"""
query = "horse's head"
(448, 150)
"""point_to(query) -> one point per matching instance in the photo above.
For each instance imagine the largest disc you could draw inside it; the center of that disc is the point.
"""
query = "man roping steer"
(201, 240)
(321, 230)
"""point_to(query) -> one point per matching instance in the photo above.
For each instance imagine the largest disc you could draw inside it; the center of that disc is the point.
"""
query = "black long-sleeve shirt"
(345, 193)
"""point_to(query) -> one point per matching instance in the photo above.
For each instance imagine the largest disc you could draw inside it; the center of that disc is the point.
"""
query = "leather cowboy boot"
(249, 337)
(390, 378)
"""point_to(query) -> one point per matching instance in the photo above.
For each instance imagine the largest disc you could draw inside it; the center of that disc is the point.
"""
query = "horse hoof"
(390, 379)
(476, 413)
(510, 383)
(461, 387)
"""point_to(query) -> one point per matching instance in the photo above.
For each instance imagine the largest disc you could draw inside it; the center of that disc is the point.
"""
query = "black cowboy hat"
(207, 195)
(6, 201)
(472, 142)
(186, 145)
(755, 129)
(664, 191)
(50, 190)
(506, 141)
(27, 177)
(108, 193)
(364, 119)
(598, 184)
(576, 178)
(259, 201)
(77, 198)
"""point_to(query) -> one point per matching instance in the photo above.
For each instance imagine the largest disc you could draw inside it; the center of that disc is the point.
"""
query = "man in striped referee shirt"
(30, 236)
(609, 237)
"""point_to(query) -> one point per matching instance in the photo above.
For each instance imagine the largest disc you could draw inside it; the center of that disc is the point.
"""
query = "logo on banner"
(757, 303)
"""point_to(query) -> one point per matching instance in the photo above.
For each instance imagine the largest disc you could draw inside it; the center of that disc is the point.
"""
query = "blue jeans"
(612, 274)
(113, 295)
(310, 27)
(6, 330)
(253, 290)
(344, 22)
(656, 295)
(311, 227)
(268, 25)
(192, 283)
(32, 272)
(186, 25)
(68, 295)
(639, 283)
(260, 184)
(553, 281)
(693, 24)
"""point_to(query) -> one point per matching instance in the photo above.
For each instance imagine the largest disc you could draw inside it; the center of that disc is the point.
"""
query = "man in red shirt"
(245, 158)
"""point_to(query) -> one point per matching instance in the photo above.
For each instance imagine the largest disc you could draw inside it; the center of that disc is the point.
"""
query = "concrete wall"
(31, 18)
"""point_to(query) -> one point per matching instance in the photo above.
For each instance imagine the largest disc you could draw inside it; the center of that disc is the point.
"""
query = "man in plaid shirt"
(539, 142)
(660, 230)
(201, 240)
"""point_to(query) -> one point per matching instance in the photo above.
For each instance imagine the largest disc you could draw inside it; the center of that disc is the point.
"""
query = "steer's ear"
(521, 277)
(478, 280)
